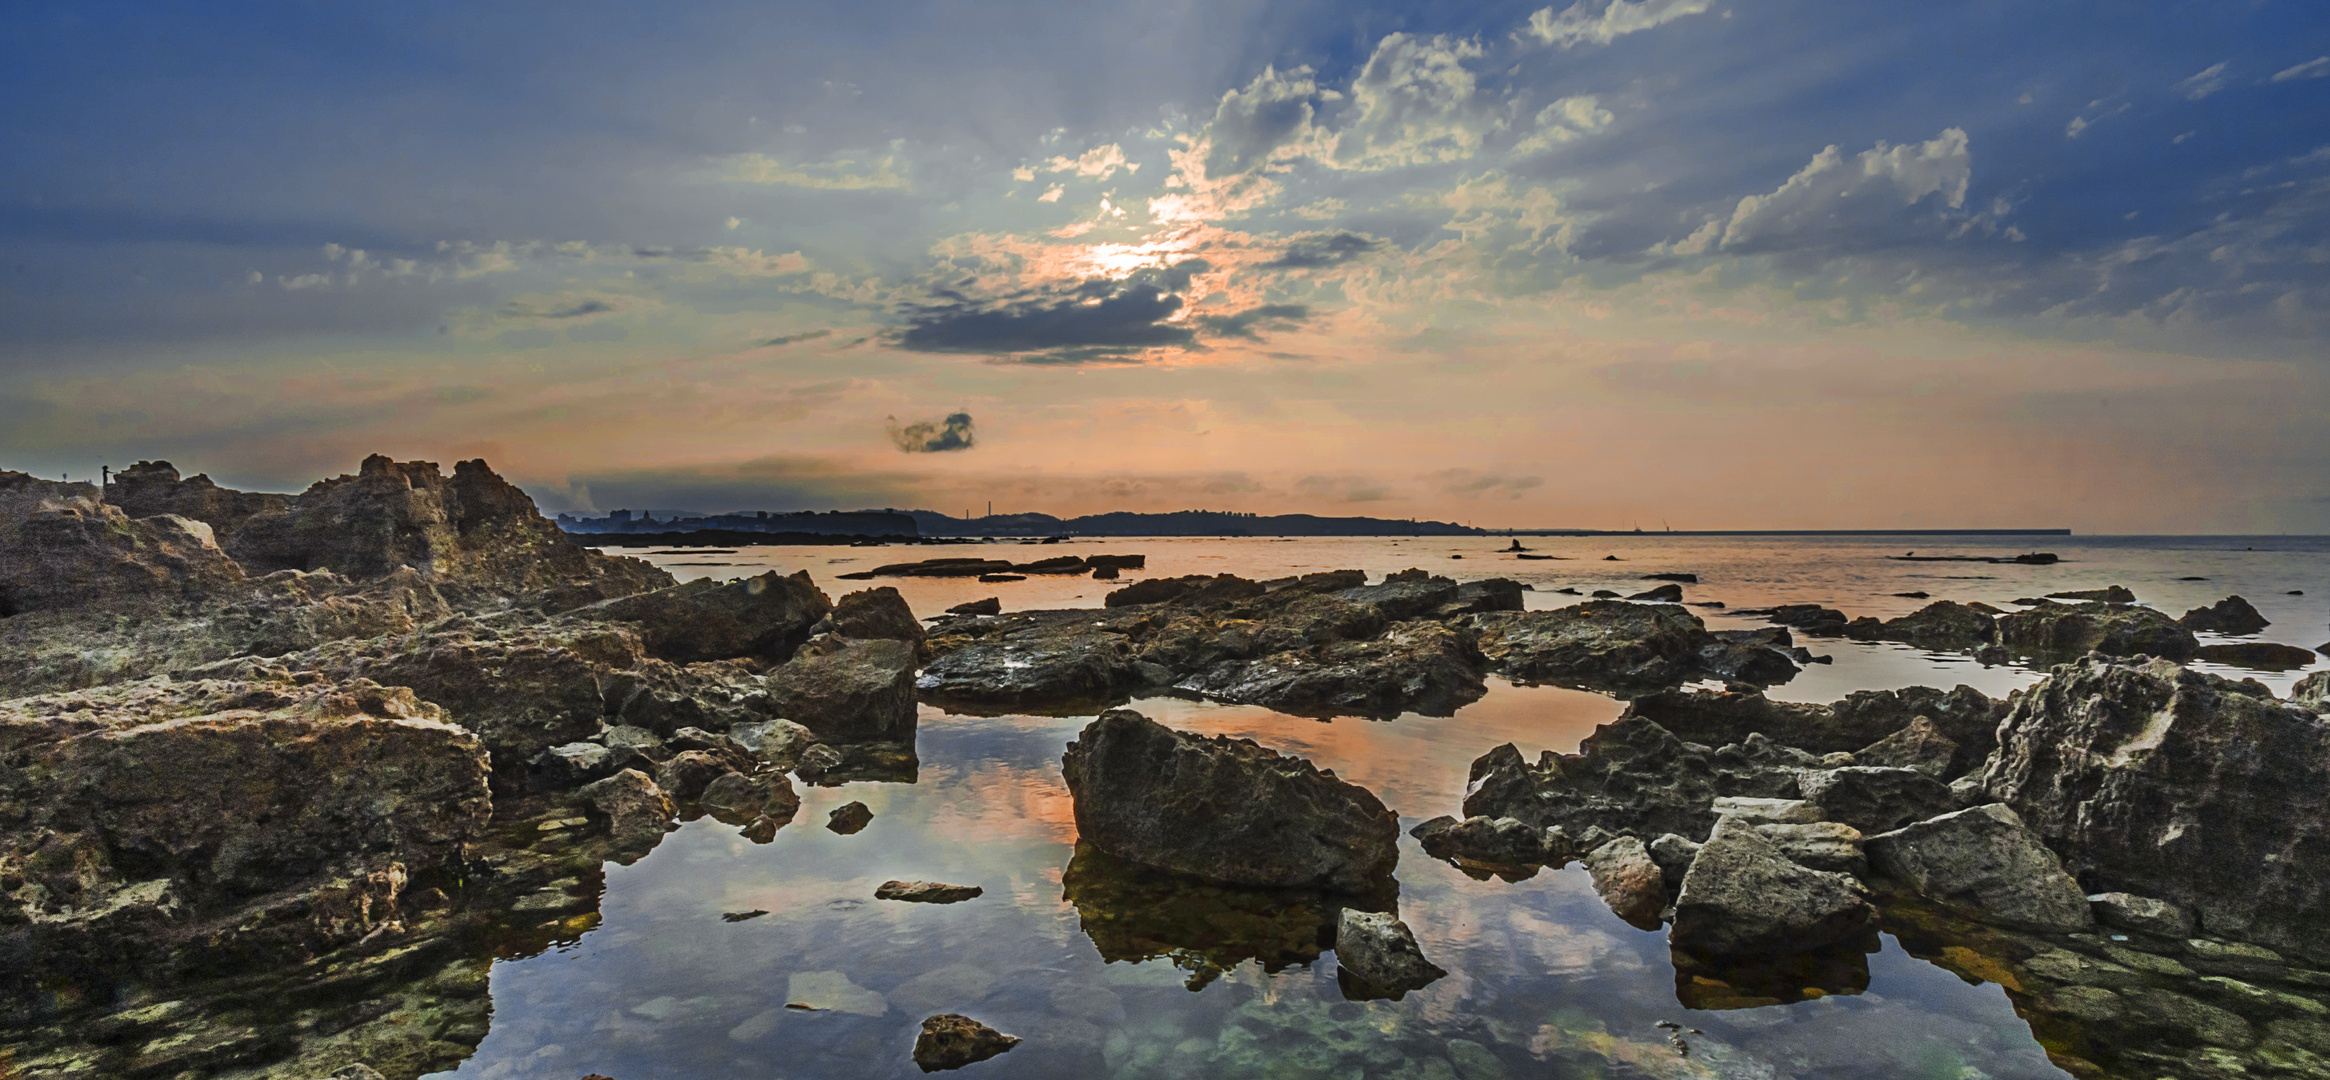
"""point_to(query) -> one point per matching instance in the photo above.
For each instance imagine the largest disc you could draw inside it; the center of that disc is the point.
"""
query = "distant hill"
(1181, 523)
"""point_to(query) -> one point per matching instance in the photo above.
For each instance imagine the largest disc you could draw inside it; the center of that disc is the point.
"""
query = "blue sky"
(2035, 263)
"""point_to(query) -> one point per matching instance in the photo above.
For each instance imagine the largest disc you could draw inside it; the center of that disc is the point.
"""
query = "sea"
(1130, 979)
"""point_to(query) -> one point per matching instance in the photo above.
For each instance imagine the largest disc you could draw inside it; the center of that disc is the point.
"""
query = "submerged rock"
(1743, 896)
(1380, 956)
(2262, 655)
(2110, 594)
(2111, 629)
(1225, 810)
(1987, 861)
(1500, 842)
(951, 1041)
(2231, 615)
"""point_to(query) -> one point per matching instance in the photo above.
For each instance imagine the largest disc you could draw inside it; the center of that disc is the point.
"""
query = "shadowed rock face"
(1987, 860)
(1939, 625)
(1225, 810)
(2157, 780)
(149, 488)
(2231, 615)
(761, 618)
(2111, 629)
(61, 548)
(1631, 776)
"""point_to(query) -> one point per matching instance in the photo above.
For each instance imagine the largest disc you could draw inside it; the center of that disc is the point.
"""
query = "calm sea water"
(1544, 980)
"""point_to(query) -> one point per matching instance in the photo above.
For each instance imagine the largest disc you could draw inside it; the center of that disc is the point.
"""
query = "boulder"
(1743, 896)
(951, 1041)
(1422, 667)
(1821, 845)
(1716, 717)
(849, 690)
(1939, 625)
(817, 761)
(1066, 662)
(1665, 594)
(1986, 861)
(2142, 914)
(1224, 810)
(1875, 799)
(1631, 777)
(1629, 880)
(687, 774)
(1507, 842)
(2109, 594)
(2112, 629)
(2313, 691)
(2158, 780)
(777, 742)
(1197, 588)
(1381, 955)
(1920, 746)
(876, 613)
(1603, 644)
(1673, 854)
(1813, 619)
(2231, 615)
(2260, 655)
(768, 795)
(61, 548)
(637, 811)
(762, 618)
(989, 606)
(564, 768)
(849, 818)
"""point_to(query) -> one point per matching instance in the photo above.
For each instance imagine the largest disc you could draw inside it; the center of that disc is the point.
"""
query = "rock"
(1634, 777)
(951, 1041)
(358, 1072)
(2313, 691)
(1687, 579)
(1813, 619)
(648, 743)
(2110, 594)
(777, 742)
(926, 892)
(767, 795)
(1381, 954)
(1742, 895)
(1134, 913)
(1195, 588)
(1963, 715)
(1669, 594)
(816, 761)
(1673, 854)
(2142, 914)
(1939, 625)
(2158, 780)
(849, 690)
(1422, 667)
(2260, 655)
(2231, 615)
(1000, 579)
(990, 606)
(1820, 845)
(2112, 629)
(564, 768)
(1920, 746)
(1760, 657)
(61, 548)
(1506, 842)
(1986, 861)
(1598, 645)
(638, 812)
(1875, 799)
(1629, 881)
(1765, 811)
(151, 488)
(1605, 594)
(1104, 573)
(762, 618)
(848, 818)
(1224, 810)
(1067, 662)
(686, 775)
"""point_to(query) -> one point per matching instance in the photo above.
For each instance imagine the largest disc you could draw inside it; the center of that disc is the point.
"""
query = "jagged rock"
(849, 690)
(1813, 619)
(1985, 860)
(1717, 717)
(1920, 746)
(2162, 781)
(564, 768)
(768, 795)
(951, 1041)
(762, 618)
(2111, 629)
(1381, 955)
(1766, 811)
(2142, 914)
(849, 818)
(1631, 776)
(1494, 841)
(989, 606)
(1742, 895)
(1629, 881)
(666, 698)
(1670, 594)
(778, 742)
(638, 812)
(2313, 691)
(2110, 594)
(2262, 655)
(2231, 615)
(1939, 625)
(1599, 644)
(816, 761)
(686, 775)
(1673, 854)
(61, 548)
(1197, 588)
(149, 488)
(926, 892)
(1422, 667)
(1822, 845)
(1874, 799)
(1480, 597)
(1224, 810)
(877, 613)
(1060, 661)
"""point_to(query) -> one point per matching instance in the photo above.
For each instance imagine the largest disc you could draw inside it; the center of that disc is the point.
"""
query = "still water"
(1146, 981)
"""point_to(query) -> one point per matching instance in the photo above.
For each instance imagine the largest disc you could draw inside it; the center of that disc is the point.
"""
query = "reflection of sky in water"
(1545, 981)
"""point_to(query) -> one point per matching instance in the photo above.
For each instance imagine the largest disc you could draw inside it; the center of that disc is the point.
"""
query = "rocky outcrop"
(2158, 780)
(2112, 629)
(1224, 810)
(1196, 588)
(848, 690)
(876, 613)
(760, 618)
(2257, 655)
(1920, 746)
(1421, 667)
(1875, 799)
(1065, 662)
(1499, 843)
(1631, 777)
(1378, 956)
(1743, 896)
(61, 548)
(951, 1041)
(1603, 644)
(1939, 625)
(151, 488)
(1965, 716)
(2109, 594)
(2231, 615)
(1986, 861)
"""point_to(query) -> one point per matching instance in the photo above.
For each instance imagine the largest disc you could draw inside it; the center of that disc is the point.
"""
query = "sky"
(1698, 263)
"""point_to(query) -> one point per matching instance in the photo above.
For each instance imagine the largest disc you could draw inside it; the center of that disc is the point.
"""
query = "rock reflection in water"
(1133, 913)
(1718, 983)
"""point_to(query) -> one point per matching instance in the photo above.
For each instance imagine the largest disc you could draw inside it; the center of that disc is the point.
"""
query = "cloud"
(1564, 120)
(1251, 124)
(1343, 487)
(1052, 194)
(1098, 318)
(1317, 250)
(933, 436)
(1416, 104)
(1598, 22)
(539, 308)
(838, 174)
(1267, 316)
(1471, 484)
(792, 339)
(1836, 202)
(1098, 163)
(2315, 68)
(2208, 81)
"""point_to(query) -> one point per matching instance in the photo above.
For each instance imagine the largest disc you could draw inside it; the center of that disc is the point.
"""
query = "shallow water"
(1544, 979)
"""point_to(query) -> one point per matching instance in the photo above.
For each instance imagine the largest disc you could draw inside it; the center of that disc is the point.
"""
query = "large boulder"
(1742, 895)
(61, 548)
(2112, 629)
(1874, 799)
(877, 613)
(1939, 625)
(1422, 667)
(848, 690)
(1225, 810)
(1053, 661)
(1602, 644)
(761, 618)
(1380, 955)
(1987, 861)
(2231, 615)
(2158, 780)
(1632, 777)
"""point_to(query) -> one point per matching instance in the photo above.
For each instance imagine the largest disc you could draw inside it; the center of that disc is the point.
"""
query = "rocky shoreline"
(279, 773)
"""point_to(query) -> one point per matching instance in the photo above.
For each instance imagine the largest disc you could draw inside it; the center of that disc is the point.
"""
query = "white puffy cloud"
(2315, 68)
(1836, 200)
(1600, 22)
(1564, 120)
(1098, 163)
(2208, 81)
(1415, 103)
(1252, 124)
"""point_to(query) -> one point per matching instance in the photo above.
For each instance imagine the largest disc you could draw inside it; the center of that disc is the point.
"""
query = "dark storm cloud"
(1266, 316)
(1119, 315)
(1329, 249)
(933, 436)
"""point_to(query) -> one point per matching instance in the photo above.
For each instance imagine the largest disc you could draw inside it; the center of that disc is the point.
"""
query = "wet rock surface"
(951, 1041)
(1744, 896)
(927, 892)
(2066, 630)
(1378, 956)
(1939, 625)
(2231, 615)
(1986, 860)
